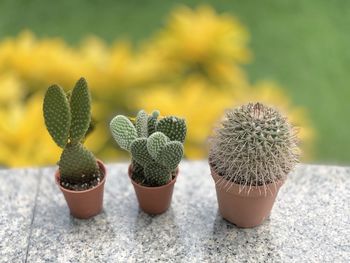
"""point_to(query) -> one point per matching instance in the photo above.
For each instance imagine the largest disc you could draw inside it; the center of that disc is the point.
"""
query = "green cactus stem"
(77, 164)
(137, 173)
(157, 175)
(152, 122)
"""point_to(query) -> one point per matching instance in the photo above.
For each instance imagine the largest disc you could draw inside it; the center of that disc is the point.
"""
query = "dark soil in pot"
(83, 186)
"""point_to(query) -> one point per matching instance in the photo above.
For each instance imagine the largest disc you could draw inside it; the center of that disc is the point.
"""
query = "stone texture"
(309, 223)
(18, 190)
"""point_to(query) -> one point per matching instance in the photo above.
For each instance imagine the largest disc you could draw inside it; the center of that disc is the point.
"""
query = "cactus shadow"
(155, 234)
(249, 243)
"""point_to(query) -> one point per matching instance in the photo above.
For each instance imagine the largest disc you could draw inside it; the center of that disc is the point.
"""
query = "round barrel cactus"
(254, 145)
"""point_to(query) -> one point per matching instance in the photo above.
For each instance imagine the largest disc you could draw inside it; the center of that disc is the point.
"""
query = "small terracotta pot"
(87, 203)
(243, 207)
(154, 200)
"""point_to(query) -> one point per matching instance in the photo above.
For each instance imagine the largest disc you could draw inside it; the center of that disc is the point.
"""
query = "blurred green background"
(302, 45)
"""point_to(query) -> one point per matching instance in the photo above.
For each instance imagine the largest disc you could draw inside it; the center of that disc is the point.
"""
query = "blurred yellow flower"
(11, 89)
(23, 138)
(202, 42)
(192, 67)
(40, 62)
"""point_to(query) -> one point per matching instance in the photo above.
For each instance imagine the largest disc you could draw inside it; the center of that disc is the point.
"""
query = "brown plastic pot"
(244, 207)
(154, 200)
(87, 203)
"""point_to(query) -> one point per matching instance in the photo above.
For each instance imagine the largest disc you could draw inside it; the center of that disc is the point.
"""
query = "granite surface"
(310, 221)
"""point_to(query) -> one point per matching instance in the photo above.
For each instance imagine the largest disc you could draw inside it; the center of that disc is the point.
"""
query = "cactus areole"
(67, 118)
(251, 152)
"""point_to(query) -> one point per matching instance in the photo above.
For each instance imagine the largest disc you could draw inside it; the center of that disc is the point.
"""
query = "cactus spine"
(156, 146)
(254, 145)
(67, 118)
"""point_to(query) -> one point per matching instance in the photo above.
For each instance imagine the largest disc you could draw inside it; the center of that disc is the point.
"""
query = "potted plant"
(251, 153)
(80, 176)
(156, 148)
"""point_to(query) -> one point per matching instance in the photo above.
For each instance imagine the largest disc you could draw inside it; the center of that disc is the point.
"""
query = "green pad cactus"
(138, 173)
(152, 122)
(139, 152)
(171, 155)
(57, 115)
(77, 164)
(156, 174)
(80, 104)
(142, 124)
(156, 143)
(157, 156)
(67, 118)
(173, 127)
(254, 145)
(123, 131)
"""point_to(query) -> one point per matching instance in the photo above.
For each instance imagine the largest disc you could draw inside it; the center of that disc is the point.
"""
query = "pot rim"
(248, 191)
(102, 168)
(153, 187)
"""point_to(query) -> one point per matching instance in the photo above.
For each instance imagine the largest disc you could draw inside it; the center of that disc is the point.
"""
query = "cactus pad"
(156, 143)
(152, 122)
(156, 174)
(141, 124)
(139, 152)
(173, 127)
(123, 131)
(171, 155)
(57, 115)
(80, 104)
(77, 164)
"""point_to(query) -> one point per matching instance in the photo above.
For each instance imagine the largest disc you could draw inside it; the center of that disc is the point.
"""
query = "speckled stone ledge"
(309, 223)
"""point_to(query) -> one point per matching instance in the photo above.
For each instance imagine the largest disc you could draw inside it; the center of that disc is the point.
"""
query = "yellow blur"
(192, 68)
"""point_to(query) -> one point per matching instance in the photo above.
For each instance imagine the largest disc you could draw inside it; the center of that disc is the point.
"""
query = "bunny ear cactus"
(67, 118)
(155, 145)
